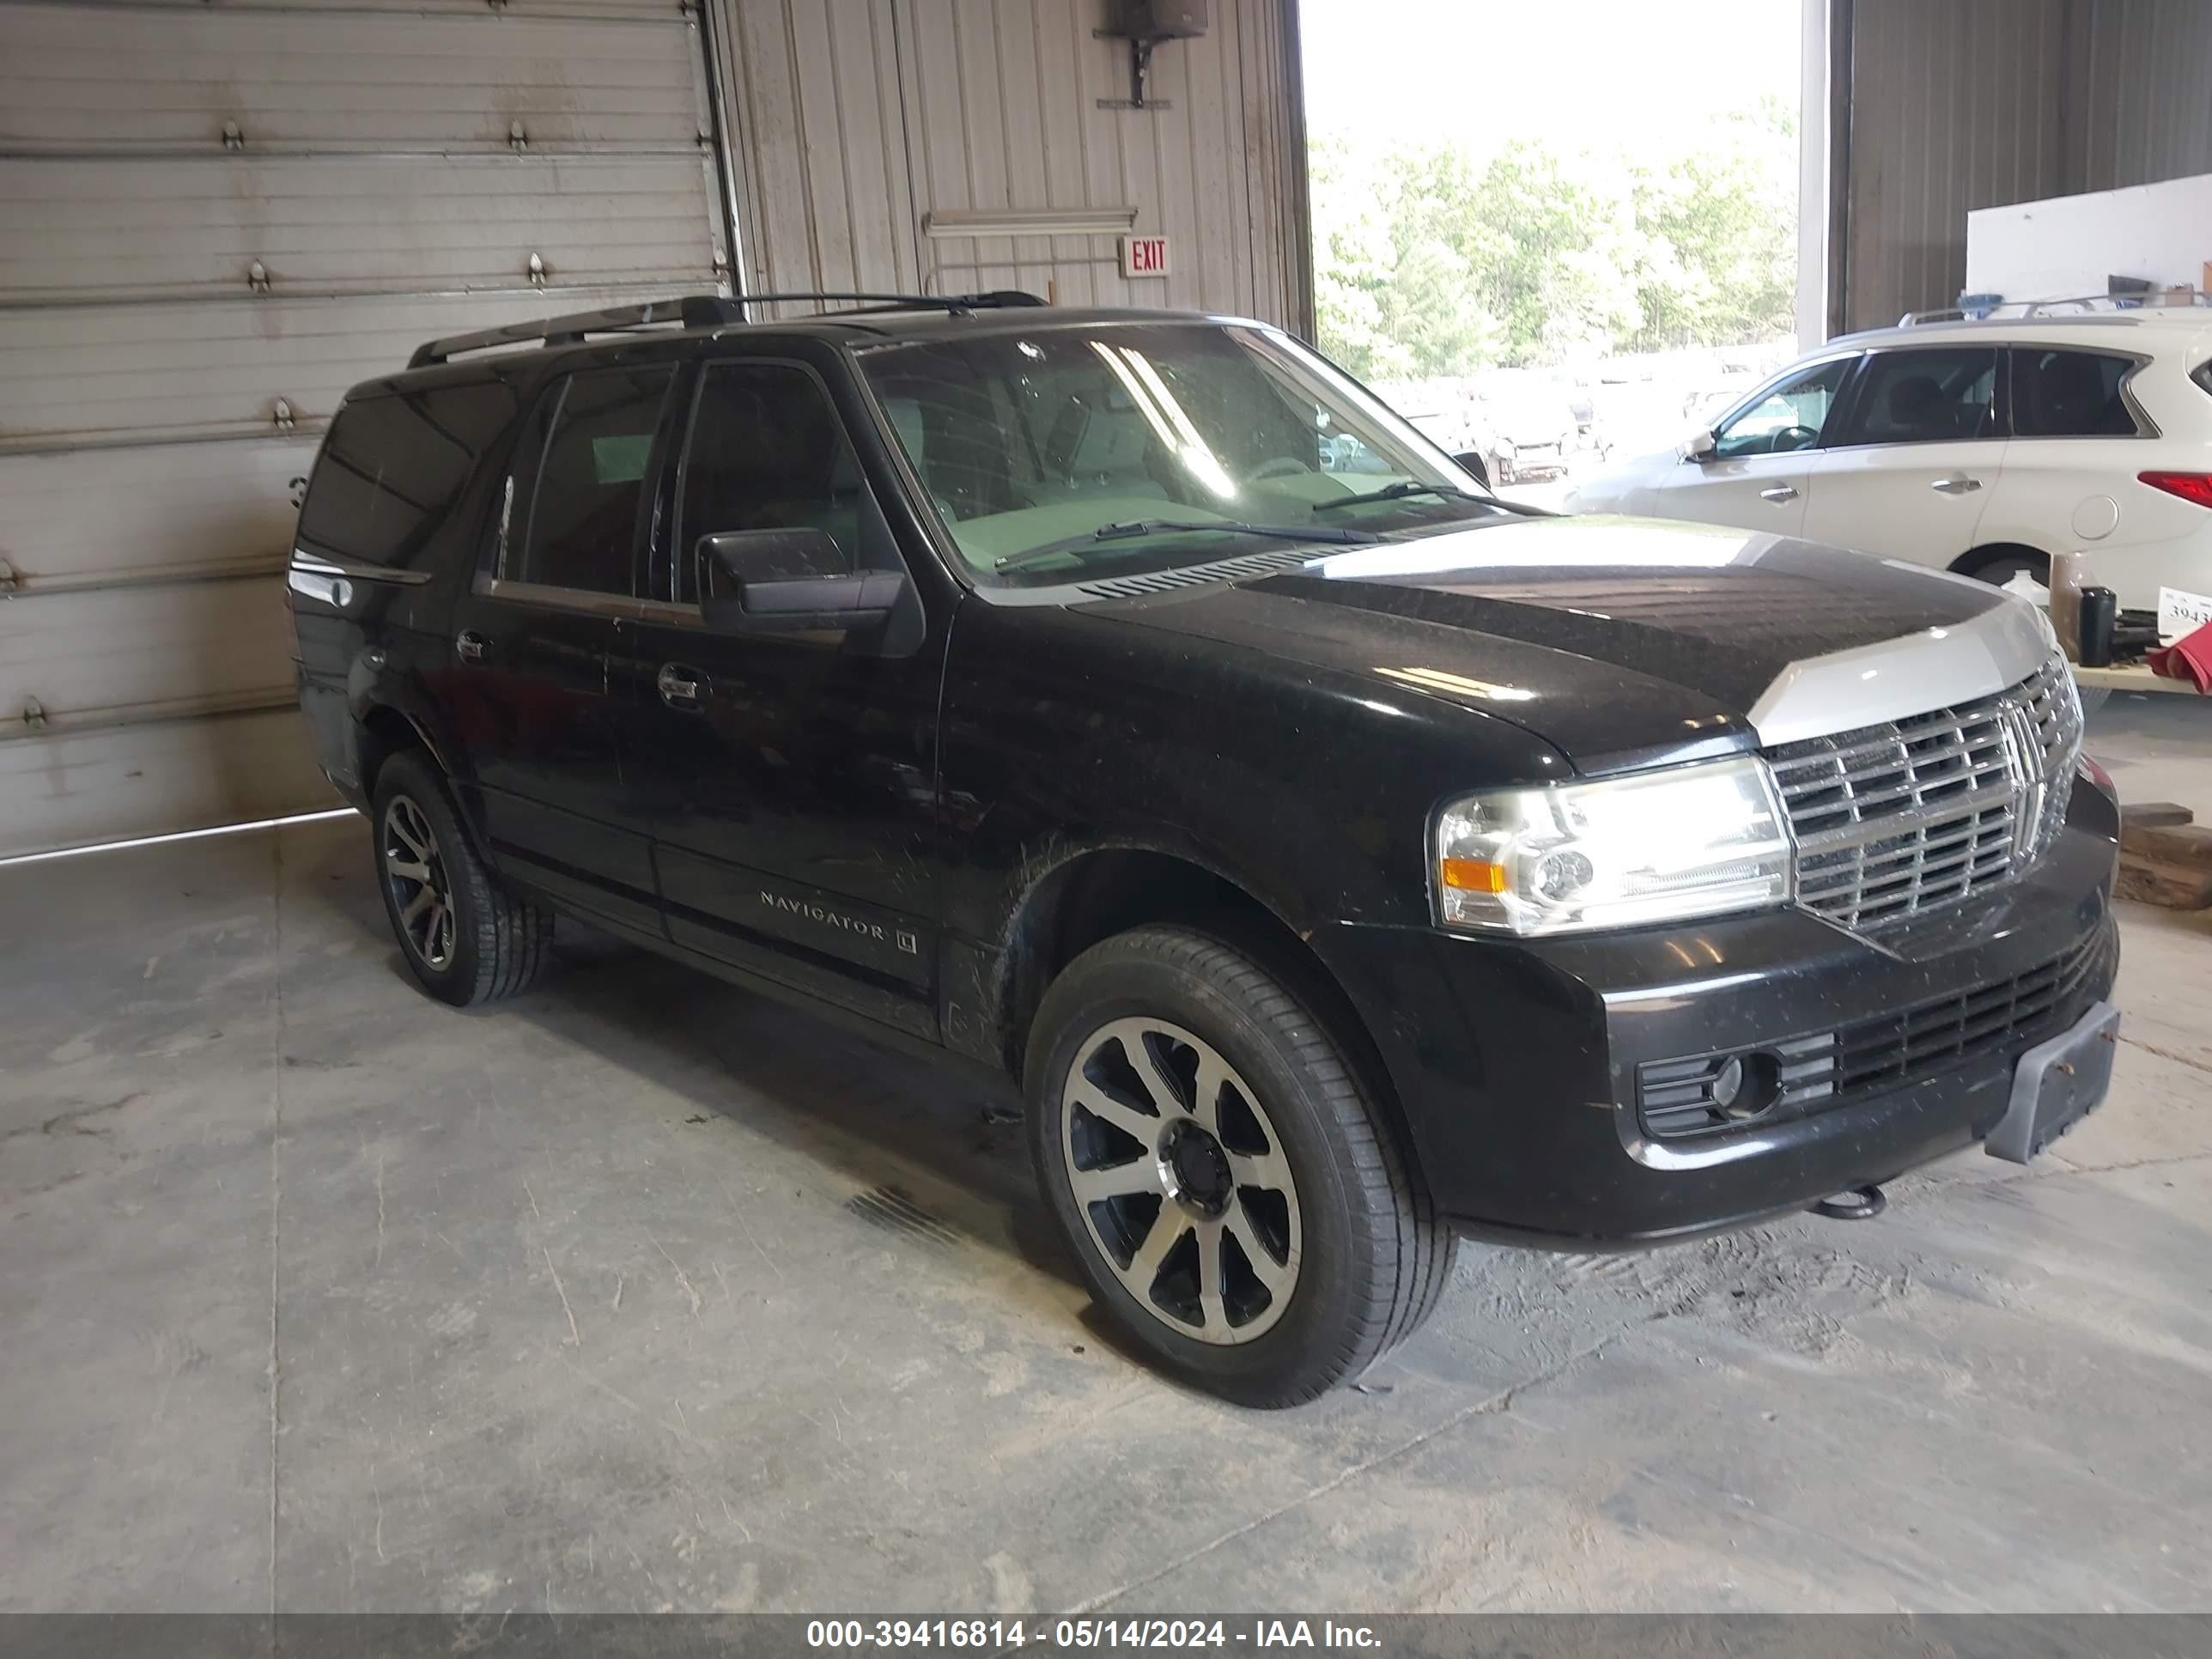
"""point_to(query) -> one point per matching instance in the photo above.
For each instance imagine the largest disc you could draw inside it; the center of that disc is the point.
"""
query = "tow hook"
(1853, 1204)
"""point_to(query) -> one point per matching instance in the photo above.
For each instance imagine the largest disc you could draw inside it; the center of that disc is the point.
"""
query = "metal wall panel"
(68, 788)
(1954, 106)
(106, 373)
(857, 119)
(341, 80)
(1982, 103)
(2139, 103)
(120, 648)
(533, 11)
(141, 227)
(155, 408)
(83, 517)
(818, 138)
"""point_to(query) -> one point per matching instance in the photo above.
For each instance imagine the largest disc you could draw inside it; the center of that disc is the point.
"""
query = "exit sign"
(1144, 256)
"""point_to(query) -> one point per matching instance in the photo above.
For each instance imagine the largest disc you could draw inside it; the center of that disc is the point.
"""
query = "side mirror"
(1472, 460)
(791, 581)
(1699, 446)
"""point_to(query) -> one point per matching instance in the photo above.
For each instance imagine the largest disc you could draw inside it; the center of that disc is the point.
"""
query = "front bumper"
(1539, 457)
(1516, 1063)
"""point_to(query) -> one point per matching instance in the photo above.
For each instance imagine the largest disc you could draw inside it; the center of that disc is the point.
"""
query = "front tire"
(464, 937)
(1237, 1205)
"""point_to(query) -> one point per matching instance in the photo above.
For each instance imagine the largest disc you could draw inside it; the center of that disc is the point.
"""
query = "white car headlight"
(1691, 841)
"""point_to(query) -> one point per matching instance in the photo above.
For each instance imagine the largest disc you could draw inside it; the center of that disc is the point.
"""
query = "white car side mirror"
(1698, 447)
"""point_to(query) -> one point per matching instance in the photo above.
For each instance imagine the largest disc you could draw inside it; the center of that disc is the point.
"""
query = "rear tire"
(464, 937)
(1258, 1234)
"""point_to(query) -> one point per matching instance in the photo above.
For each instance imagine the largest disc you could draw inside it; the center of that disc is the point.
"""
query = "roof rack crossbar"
(693, 311)
(986, 301)
(2017, 310)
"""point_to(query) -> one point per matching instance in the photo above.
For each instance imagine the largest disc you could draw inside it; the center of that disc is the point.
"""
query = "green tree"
(1429, 262)
(1717, 253)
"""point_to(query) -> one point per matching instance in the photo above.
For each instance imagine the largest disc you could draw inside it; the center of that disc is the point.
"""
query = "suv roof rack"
(2071, 305)
(693, 311)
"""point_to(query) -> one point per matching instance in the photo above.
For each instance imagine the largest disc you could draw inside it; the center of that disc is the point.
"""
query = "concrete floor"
(641, 1293)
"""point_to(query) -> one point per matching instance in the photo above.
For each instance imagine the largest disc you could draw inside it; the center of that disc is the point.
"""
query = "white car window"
(1789, 417)
(1926, 395)
(2069, 394)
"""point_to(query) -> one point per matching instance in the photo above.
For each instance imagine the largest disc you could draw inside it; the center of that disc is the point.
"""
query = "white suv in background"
(1979, 447)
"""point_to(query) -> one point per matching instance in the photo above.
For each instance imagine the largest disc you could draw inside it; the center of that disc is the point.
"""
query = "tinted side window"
(766, 451)
(392, 467)
(1923, 397)
(2069, 394)
(582, 530)
(1791, 416)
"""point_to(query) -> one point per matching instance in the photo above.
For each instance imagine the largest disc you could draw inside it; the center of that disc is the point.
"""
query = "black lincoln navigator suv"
(1342, 859)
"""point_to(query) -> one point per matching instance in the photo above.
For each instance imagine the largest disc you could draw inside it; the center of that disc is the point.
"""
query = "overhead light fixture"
(1029, 222)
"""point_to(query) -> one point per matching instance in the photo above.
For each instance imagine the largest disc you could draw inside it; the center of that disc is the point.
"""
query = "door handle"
(1778, 493)
(680, 686)
(469, 645)
(1957, 485)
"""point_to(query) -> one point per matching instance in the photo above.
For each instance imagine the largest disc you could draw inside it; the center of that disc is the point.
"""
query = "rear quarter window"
(2202, 375)
(2070, 394)
(394, 465)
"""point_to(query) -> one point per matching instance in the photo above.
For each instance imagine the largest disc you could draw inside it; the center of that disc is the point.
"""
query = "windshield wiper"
(1398, 492)
(1134, 527)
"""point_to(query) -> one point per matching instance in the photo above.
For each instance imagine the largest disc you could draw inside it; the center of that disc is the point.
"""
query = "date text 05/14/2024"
(1079, 1634)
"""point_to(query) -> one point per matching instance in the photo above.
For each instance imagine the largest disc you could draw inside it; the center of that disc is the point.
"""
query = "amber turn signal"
(1473, 875)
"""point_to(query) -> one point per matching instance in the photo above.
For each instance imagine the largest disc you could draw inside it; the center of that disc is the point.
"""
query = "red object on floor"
(2188, 658)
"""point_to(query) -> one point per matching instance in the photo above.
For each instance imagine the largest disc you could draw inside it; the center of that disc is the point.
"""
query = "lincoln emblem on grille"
(2024, 759)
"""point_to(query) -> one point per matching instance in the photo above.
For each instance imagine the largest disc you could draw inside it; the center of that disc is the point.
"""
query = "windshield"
(1182, 443)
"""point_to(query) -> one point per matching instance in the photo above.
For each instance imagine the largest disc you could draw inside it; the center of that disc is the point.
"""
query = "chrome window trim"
(668, 613)
(584, 602)
(580, 601)
(317, 564)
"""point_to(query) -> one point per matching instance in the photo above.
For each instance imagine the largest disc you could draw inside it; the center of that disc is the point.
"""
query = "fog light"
(1730, 1083)
(1747, 1085)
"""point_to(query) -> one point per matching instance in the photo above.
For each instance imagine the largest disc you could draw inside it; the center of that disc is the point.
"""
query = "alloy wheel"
(422, 891)
(1183, 1184)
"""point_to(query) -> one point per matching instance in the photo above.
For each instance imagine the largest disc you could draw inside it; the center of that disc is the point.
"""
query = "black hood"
(1622, 642)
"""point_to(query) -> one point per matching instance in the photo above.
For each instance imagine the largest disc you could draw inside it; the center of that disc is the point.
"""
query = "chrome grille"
(1895, 820)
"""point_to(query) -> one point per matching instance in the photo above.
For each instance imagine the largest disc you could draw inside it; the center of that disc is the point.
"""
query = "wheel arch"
(1092, 893)
(384, 730)
(1970, 563)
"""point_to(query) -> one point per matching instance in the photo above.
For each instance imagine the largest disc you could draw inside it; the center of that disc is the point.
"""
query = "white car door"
(1757, 476)
(2071, 476)
(1915, 457)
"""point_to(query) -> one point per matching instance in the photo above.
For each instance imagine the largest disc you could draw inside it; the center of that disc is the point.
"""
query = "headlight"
(1692, 840)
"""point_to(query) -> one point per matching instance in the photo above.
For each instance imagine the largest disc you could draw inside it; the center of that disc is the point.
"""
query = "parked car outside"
(1528, 431)
(1981, 447)
(1342, 861)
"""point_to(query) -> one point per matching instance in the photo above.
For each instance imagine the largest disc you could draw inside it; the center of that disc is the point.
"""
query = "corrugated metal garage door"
(214, 218)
